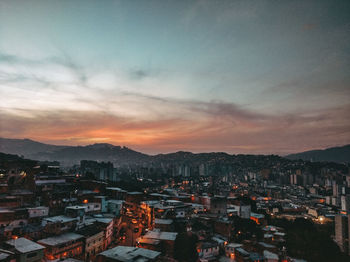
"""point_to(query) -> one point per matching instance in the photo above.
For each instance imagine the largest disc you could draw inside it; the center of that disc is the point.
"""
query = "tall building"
(342, 232)
(345, 203)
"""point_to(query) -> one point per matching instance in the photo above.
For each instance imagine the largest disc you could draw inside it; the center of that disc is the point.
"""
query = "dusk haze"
(174, 130)
(256, 77)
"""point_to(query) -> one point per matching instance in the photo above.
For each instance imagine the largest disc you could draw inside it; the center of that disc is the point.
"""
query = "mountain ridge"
(339, 154)
(69, 155)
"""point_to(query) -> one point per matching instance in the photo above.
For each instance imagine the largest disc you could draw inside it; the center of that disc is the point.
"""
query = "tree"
(309, 241)
(185, 247)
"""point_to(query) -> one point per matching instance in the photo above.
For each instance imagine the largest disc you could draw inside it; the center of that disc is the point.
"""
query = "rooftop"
(161, 235)
(115, 189)
(24, 245)
(270, 255)
(163, 221)
(76, 207)
(57, 240)
(62, 219)
(89, 231)
(127, 254)
(234, 245)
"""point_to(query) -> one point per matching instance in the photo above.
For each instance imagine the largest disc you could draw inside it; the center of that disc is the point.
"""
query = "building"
(218, 205)
(230, 249)
(37, 213)
(258, 218)
(25, 250)
(207, 250)
(163, 224)
(345, 203)
(128, 254)
(62, 246)
(223, 227)
(114, 206)
(93, 241)
(107, 226)
(58, 224)
(166, 239)
(342, 231)
(270, 257)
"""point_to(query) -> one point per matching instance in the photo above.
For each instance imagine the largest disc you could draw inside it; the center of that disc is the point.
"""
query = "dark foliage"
(310, 242)
(185, 247)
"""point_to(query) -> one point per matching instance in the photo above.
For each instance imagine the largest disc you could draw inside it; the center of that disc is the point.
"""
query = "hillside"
(70, 155)
(26, 147)
(333, 154)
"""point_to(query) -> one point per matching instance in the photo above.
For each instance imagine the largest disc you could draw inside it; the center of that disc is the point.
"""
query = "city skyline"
(162, 76)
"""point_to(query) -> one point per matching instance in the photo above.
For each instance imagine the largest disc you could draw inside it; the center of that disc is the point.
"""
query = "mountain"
(70, 155)
(97, 152)
(8, 161)
(25, 147)
(334, 154)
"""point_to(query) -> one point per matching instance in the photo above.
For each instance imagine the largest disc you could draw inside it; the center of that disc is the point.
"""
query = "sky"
(257, 77)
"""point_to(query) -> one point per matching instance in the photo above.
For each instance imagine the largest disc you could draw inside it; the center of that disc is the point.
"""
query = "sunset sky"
(162, 76)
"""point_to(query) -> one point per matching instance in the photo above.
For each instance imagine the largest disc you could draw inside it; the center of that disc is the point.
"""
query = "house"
(106, 224)
(114, 206)
(62, 246)
(36, 213)
(230, 249)
(7, 256)
(258, 218)
(58, 224)
(93, 241)
(270, 257)
(223, 227)
(25, 250)
(218, 205)
(128, 254)
(163, 224)
(166, 239)
(207, 250)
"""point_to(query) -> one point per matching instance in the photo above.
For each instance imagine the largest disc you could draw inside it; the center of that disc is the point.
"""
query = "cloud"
(210, 131)
(58, 101)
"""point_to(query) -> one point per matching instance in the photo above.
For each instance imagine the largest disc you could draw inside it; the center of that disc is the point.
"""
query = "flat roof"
(57, 240)
(243, 251)
(234, 245)
(36, 208)
(62, 219)
(52, 181)
(89, 231)
(76, 207)
(104, 220)
(24, 245)
(115, 189)
(266, 245)
(127, 254)
(135, 193)
(161, 235)
(270, 255)
(256, 215)
(163, 221)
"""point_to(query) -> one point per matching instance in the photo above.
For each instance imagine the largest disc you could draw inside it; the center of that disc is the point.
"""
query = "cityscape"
(174, 131)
